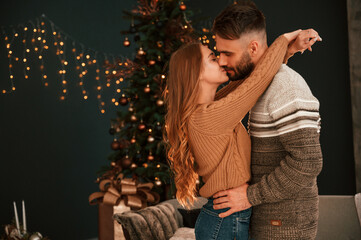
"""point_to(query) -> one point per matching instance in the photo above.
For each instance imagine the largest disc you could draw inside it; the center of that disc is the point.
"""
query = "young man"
(284, 126)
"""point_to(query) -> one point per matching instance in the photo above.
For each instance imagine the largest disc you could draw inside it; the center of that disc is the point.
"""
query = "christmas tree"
(158, 27)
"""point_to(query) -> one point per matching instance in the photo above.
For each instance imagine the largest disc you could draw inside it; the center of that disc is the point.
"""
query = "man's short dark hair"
(237, 19)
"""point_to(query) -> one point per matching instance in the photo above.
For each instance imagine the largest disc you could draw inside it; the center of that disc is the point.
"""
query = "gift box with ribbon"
(119, 194)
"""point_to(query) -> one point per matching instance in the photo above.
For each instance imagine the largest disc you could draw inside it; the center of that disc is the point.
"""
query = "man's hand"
(235, 198)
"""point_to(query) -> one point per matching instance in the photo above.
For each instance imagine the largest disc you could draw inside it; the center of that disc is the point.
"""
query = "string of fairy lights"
(34, 37)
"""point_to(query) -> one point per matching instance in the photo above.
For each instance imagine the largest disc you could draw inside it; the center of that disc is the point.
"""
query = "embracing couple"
(261, 181)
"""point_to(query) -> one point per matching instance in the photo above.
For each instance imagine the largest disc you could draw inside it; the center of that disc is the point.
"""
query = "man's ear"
(253, 48)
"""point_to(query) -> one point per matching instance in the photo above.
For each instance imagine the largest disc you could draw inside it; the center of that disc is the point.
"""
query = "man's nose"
(222, 61)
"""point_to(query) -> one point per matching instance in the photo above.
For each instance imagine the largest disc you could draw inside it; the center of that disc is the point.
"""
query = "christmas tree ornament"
(132, 29)
(133, 118)
(182, 6)
(158, 127)
(123, 100)
(115, 145)
(141, 51)
(142, 126)
(138, 156)
(159, 24)
(126, 42)
(133, 166)
(111, 131)
(160, 44)
(136, 37)
(126, 162)
(151, 62)
(160, 102)
(133, 140)
(150, 138)
(147, 89)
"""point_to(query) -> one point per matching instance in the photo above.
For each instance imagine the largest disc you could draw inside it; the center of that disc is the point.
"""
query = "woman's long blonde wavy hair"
(181, 95)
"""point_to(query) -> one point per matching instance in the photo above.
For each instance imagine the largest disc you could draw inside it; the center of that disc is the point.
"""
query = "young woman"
(205, 136)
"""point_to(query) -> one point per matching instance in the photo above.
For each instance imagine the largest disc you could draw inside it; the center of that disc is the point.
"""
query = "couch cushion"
(184, 233)
(156, 222)
(338, 218)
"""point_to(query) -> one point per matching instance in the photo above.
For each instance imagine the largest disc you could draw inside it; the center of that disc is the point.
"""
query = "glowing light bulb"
(64, 90)
(24, 60)
(28, 68)
(45, 77)
(65, 63)
(11, 76)
(118, 90)
(28, 50)
(4, 91)
(94, 61)
(102, 111)
(46, 84)
(116, 103)
(114, 72)
(26, 76)
(83, 64)
(87, 56)
(61, 43)
(64, 82)
(40, 57)
(54, 33)
(25, 29)
(13, 88)
(99, 88)
(85, 97)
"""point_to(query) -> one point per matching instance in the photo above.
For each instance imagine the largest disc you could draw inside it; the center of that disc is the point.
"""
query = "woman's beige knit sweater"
(219, 142)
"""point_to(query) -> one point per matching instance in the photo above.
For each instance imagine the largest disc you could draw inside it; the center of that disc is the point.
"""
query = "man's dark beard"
(243, 68)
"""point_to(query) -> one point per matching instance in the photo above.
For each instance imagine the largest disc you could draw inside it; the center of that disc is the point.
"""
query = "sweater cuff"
(253, 195)
(287, 56)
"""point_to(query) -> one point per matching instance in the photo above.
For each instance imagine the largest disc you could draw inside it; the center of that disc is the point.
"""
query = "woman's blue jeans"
(209, 226)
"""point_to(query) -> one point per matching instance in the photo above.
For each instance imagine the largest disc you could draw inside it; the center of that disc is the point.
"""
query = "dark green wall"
(51, 150)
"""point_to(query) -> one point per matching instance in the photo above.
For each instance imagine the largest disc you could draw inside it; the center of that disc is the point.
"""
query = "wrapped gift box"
(108, 228)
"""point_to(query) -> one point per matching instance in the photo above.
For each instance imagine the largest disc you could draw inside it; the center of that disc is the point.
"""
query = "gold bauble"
(160, 102)
(147, 89)
(126, 42)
